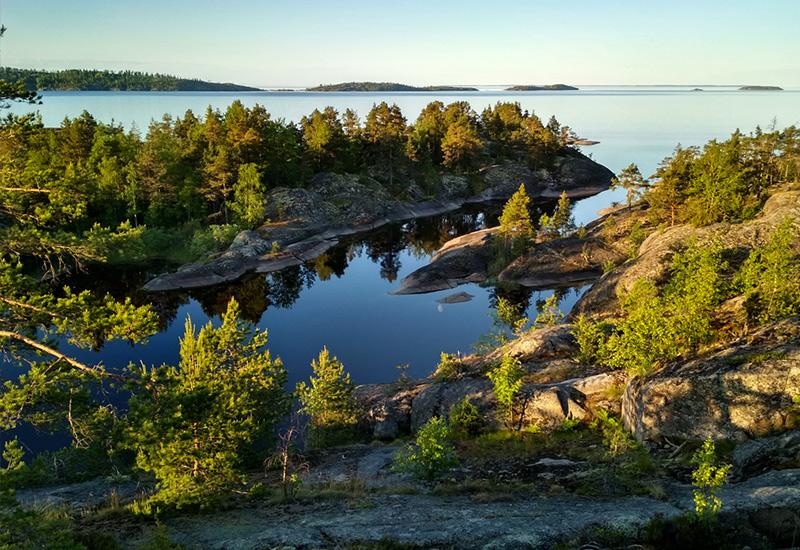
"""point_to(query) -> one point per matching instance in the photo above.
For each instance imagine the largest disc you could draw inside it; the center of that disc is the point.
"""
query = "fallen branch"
(74, 363)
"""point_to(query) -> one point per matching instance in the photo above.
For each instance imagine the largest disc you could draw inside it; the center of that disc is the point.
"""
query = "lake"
(343, 301)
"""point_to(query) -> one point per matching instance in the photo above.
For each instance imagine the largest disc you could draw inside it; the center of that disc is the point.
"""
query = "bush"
(431, 455)
(450, 367)
(465, 419)
(549, 313)
(615, 437)
(770, 277)
(590, 339)
(658, 326)
(212, 239)
(507, 381)
(708, 476)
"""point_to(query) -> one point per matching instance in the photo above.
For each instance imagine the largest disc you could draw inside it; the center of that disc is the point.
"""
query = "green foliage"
(22, 529)
(461, 144)
(506, 380)
(561, 223)
(590, 338)
(660, 325)
(770, 277)
(615, 437)
(630, 179)
(432, 453)
(726, 181)
(636, 236)
(328, 398)
(511, 314)
(465, 419)
(569, 425)
(194, 425)
(549, 315)
(516, 228)
(450, 367)
(248, 196)
(708, 477)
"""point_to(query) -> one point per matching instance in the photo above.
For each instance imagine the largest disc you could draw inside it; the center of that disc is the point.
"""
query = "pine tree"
(194, 425)
(328, 397)
(516, 227)
(630, 179)
(248, 196)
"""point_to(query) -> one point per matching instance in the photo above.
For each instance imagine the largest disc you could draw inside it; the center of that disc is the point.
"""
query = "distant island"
(761, 88)
(544, 88)
(97, 80)
(385, 87)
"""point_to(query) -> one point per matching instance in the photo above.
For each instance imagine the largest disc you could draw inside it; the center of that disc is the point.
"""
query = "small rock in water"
(456, 298)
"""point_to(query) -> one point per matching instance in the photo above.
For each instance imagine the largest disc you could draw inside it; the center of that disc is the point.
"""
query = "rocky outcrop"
(461, 260)
(557, 263)
(311, 220)
(655, 253)
(768, 502)
(738, 391)
(391, 412)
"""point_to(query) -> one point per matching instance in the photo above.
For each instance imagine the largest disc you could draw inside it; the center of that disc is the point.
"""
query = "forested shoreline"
(118, 81)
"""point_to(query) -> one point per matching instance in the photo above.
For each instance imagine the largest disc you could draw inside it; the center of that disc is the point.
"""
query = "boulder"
(392, 411)
(437, 399)
(535, 345)
(737, 391)
(387, 408)
(461, 260)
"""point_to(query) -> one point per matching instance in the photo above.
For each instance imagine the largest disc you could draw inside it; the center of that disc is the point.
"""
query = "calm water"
(344, 302)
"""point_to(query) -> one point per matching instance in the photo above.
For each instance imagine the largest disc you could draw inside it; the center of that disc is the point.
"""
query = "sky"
(272, 43)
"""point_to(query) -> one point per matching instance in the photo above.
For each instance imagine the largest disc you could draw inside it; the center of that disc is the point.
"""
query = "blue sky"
(307, 42)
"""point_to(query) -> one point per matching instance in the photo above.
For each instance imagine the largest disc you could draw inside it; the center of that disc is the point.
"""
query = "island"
(542, 88)
(385, 87)
(106, 80)
(761, 89)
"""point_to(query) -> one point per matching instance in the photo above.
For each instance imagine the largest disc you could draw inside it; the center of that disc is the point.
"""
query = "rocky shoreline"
(311, 221)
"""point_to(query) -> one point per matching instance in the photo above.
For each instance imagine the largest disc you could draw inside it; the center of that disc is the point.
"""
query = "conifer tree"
(328, 397)
(248, 196)
(630, 179)
(194, 425)
(516, 227)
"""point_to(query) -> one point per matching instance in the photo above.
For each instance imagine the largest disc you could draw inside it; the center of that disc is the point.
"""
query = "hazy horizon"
(286, 44)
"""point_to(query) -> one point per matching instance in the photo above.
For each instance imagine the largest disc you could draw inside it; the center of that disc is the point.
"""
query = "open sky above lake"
(303, 43)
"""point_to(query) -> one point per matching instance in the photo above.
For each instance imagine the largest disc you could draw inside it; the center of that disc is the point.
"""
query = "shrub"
(549, 313)
(569, 425)
(506, 379)
(770, 277)
(561, 223)
(431, 455)
(615, 437)
(465, 419)
(708, 476)
(590, 339)
(659, 326)
(450, 367)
